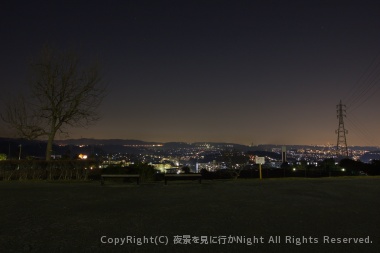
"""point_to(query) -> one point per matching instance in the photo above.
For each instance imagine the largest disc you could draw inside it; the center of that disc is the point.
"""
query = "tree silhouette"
(63, 94)
(186, 169)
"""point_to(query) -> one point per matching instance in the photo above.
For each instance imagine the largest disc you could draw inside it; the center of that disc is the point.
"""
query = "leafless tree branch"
(63, 93)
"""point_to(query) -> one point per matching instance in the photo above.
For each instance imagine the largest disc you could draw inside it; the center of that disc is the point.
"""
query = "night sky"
(261, 72)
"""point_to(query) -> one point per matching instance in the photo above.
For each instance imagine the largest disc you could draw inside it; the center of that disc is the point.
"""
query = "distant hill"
(71, 147)
(370, 156)
(85, 141)
(12, 147)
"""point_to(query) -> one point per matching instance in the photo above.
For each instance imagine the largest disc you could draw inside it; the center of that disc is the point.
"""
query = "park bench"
(102, 177)
(183, 177)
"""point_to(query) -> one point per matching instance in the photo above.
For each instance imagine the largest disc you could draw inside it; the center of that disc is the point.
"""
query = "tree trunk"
(49, 146)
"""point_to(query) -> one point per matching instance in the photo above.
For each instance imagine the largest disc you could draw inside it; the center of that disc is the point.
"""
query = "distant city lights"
(82, 156)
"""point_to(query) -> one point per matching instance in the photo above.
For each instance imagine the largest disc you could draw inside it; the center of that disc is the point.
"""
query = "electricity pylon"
(341, 144)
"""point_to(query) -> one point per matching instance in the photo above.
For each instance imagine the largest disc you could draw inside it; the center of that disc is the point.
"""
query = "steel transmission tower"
(341, 144)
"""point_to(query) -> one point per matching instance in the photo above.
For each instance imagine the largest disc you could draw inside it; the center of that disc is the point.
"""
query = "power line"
(363, 90)
(361, 86)
(368, 95)
(359, 131)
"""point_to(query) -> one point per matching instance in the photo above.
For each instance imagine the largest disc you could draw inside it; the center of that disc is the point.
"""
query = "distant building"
(210, 166)
(274, 164)
(163, 167)
(283, 154)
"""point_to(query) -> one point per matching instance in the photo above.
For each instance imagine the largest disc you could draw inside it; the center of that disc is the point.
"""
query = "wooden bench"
(102, 177)
(183, 177)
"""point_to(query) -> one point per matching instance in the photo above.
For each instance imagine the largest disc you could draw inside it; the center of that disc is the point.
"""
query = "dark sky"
(234, 71)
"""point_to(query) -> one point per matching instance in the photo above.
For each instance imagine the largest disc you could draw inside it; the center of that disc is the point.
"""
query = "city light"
(82, 156)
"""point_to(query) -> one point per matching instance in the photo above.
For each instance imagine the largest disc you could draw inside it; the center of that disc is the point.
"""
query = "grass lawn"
(77, 216)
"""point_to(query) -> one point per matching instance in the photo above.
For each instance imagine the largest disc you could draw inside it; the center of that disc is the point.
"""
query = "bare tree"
(63, 94)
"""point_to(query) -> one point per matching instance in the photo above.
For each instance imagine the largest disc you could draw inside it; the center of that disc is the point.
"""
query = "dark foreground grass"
(76, 217)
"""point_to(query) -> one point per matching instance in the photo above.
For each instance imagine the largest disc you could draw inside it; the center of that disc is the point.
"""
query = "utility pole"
(341, 144)
(19, 157)
(19, 154)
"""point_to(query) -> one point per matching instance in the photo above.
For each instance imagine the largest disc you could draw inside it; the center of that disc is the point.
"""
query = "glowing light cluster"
(82, 156)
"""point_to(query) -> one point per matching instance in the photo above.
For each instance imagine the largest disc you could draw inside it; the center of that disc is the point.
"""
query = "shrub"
(220, 174)
(51, 170)
(146, 171)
